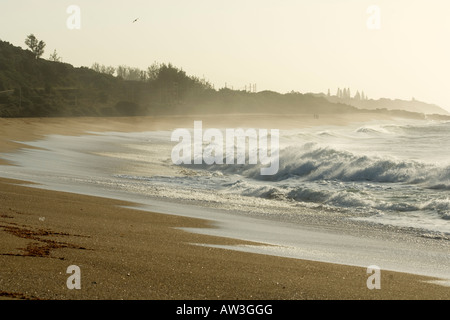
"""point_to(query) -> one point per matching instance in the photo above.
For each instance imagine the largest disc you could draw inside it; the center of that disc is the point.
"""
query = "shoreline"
(131, 254)
(104, 216)
(12, 130)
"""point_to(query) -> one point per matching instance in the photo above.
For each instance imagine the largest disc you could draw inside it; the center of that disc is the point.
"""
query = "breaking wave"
(312, 162)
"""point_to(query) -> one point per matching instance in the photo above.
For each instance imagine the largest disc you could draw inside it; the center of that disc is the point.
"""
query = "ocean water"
(392, 176)
(392, 173)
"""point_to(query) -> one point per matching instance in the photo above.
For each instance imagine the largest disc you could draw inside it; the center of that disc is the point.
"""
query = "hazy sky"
(284, 45)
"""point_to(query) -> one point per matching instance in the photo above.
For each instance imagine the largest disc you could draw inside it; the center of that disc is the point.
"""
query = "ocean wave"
(440, 186)
(435, 127)
(312, 162)
(372, 130)
(441, 206)
(345, 198)
(361, 198)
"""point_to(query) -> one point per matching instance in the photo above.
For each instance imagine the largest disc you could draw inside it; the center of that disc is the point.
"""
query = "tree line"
(345, 94)
(156, 71)
(51, 88)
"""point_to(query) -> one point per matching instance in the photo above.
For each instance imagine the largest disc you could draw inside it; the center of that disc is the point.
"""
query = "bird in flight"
(135, 20)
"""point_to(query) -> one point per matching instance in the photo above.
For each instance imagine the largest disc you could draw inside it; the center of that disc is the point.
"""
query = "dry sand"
(131, 254)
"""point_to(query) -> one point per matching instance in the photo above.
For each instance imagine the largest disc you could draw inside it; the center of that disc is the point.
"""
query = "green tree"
(55, 57)
(133, 74)
(122, 71)
(103, 69)
(96, 67)
(153, 71)
(36, 46)
(108, 70)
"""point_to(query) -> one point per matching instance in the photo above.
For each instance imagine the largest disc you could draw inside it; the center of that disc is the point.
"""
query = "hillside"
(31, 87)
(37, 87)
(389, 104)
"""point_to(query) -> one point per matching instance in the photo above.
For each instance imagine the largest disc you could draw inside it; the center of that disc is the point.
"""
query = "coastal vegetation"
(31, 86)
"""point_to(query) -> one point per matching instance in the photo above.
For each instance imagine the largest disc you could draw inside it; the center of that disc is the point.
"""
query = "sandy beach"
(132, 254)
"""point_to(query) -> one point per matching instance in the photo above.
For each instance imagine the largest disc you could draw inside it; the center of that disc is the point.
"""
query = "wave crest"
(312, 162)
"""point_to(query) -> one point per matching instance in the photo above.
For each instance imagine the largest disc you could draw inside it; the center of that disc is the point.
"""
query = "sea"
(388, 176)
